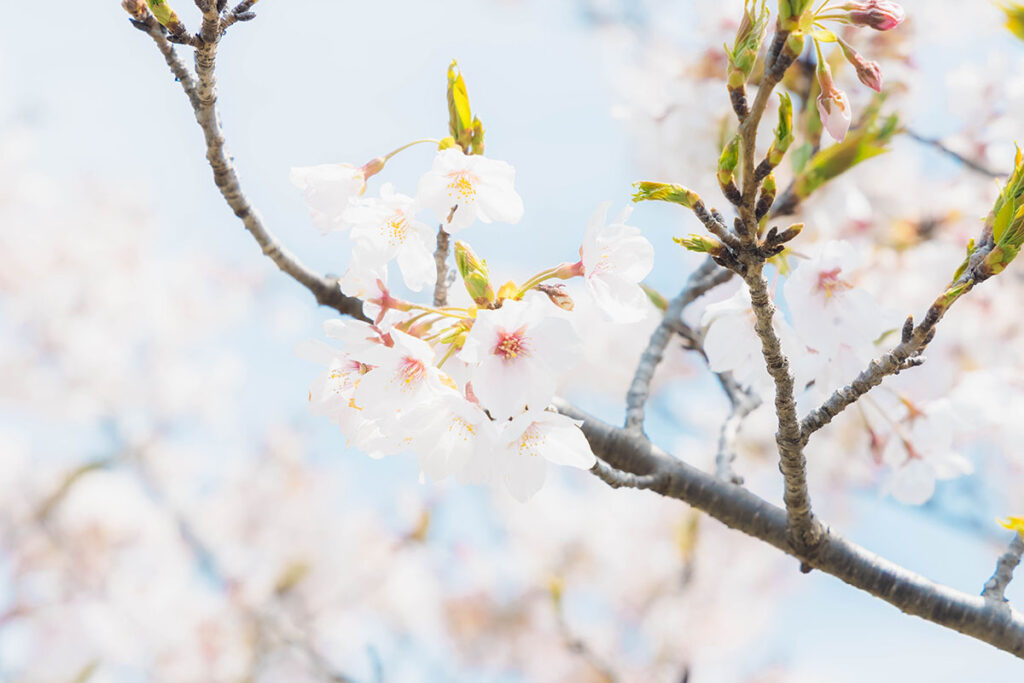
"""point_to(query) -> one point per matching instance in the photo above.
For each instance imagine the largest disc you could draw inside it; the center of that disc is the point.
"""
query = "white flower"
(922, 452)
(519, 351)
(616, 257)
(534, 438)
(327, 189)
(403, 376)
(732, 345)
(460, 188)
(449, 435)
(384, 229)
(828, 310)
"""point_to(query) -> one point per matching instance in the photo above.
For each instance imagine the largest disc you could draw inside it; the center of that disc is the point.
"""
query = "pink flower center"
(511, 344)
(410, 372)
(830, 283)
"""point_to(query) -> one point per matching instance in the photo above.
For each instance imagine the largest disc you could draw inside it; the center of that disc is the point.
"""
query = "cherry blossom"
(921, 451)
(385, 229)
(451, 437)
(327, 189)
(732, 345)
(615, 258)
(535, 437)
(403, 376)
(827, 308)
(519, 350)
(460, 188)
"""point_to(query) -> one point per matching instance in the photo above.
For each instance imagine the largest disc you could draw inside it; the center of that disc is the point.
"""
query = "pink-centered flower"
(877, 14)
(519, 351)
(827, 308)
(327, 189)
(615, 258)
(460, 188)
(921, 451)
(403, 376)
(384, 229)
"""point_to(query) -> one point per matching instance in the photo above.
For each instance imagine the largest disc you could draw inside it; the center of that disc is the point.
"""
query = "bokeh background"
(169, 510)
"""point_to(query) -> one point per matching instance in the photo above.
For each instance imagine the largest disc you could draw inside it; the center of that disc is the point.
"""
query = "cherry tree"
(809, 298)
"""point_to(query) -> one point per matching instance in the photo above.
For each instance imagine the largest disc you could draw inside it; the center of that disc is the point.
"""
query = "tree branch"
(705, 278)
(441, 264)
(775, 68)
(940, 146)
(203, 96)
(995, 588)
(742, 403)
(806, 531)
(182, 74)
(738, 508)
(905, 354)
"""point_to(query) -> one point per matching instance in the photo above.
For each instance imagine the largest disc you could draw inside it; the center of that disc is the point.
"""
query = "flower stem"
(407, 146)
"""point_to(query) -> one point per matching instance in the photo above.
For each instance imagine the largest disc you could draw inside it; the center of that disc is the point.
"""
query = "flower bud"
(833, 107)
(665, 192)
(728, 161)
(790, 12)
(1014, 18)
(373, 166)
(748, 42)
(868, 72)
(558, 295)
(880, 15)
(1013, 524)
(460, 118)
(166, 16)
(474, 274)
(699, 244)
(789, 233)
(783, 132)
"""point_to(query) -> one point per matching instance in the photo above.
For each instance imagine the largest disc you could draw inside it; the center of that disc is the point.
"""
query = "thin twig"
(742, 403)
(579, 647)
(182, 73)
(995, 588)
(203, 96)
(903, 355)
(706, 277)
(939, 145)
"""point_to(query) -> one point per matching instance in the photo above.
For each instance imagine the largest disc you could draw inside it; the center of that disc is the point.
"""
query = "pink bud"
(869, 73)
(877, 14)
(833, 107)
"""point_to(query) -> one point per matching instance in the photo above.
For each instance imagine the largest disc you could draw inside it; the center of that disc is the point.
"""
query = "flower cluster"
(464, 387)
